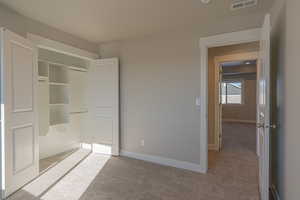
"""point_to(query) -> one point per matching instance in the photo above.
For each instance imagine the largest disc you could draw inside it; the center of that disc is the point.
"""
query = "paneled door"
(102, 125)
(263, 109)
(19, 127)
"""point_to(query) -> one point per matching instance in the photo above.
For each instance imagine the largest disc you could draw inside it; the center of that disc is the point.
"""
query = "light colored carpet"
(232, 176)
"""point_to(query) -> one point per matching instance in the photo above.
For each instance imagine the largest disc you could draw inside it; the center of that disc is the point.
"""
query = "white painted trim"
(240, 121)
(164, 161)
(2, 118)
(59, 47)
(107, 61)
(251, 35)
(213, 147)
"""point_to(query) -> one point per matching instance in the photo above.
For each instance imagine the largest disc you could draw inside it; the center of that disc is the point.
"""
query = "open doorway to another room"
(232, 104)
(237, 105)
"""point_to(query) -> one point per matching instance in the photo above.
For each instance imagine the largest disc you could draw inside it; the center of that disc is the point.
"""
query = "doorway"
(237, 106)
(232, 83)
(234, 90)
(264, 125)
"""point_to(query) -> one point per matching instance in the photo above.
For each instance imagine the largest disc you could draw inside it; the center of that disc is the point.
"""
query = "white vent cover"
(239, 4)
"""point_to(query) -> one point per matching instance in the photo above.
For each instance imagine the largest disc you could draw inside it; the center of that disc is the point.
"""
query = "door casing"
(251, 35)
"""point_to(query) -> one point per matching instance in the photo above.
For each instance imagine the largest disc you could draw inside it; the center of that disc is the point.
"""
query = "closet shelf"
(78, 68)
(58, 104)
(43, 78)
(64, 65)
(79, 112)
(57, 83)
(53, 63)
(58, 123)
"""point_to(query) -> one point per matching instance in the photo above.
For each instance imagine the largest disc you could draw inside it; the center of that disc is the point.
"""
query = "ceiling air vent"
(240, 4)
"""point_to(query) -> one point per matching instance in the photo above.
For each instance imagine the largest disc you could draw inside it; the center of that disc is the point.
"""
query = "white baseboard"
(164, 161)
(213, 147)
(240, 121)
(274, 193)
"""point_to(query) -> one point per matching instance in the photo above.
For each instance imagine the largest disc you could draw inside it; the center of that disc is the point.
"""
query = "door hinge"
(273, 126)
(262, 125)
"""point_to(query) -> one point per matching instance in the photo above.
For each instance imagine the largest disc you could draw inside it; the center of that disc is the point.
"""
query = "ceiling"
(245, 67)
(106, 20)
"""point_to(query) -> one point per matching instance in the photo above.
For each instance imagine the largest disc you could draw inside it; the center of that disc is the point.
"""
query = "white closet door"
(103, 104)
(19, 111)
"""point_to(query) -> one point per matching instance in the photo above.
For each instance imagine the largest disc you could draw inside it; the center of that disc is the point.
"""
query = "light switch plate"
(198, 102)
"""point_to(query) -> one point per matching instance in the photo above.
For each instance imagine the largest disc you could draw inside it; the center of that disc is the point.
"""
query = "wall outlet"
(142, 143)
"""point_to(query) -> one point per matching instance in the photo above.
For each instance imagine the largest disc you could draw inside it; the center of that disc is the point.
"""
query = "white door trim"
(239, 37)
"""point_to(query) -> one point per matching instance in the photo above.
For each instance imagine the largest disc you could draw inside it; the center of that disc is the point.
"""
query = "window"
(231, 92)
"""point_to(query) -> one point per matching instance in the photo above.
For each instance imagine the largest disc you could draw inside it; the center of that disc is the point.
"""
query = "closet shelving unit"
(54, 80)
(43, 71)
(43, 90)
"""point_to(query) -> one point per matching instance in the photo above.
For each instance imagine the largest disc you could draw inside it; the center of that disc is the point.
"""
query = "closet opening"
(62, 106)
(59, 112)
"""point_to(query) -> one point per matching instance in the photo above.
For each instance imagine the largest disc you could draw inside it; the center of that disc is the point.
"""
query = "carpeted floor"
(232, 175)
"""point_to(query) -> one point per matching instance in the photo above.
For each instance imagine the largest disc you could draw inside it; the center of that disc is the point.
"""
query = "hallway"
(237, 163)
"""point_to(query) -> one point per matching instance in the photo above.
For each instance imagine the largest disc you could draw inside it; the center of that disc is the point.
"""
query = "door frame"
(246, 36)
(251, 55)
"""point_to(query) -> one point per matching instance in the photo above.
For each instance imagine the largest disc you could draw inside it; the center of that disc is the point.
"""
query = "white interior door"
(19, 133)
(102, 123)
(263, 108)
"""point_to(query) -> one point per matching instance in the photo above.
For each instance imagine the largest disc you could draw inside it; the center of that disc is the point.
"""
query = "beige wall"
(160, 80)
(22, 25)
(212, 53)
(285, 61)
(247, 110)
